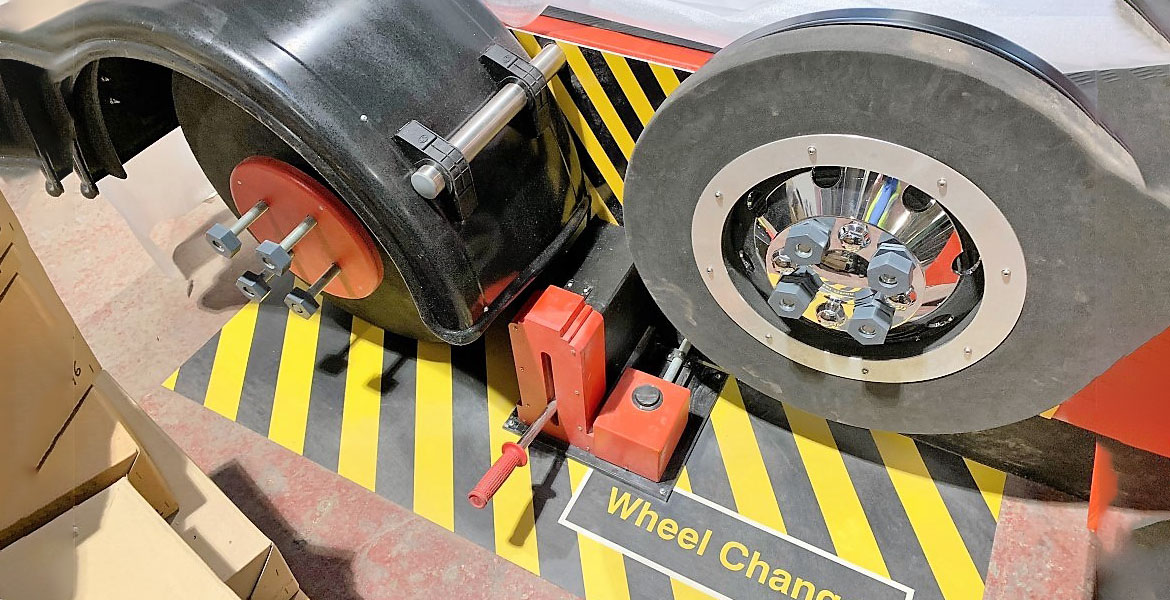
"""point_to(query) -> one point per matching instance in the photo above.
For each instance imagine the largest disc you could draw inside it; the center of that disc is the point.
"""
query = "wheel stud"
(831, 313)
(277, 258)
(254, 286)
(854, 236)
(304, 303)
(226, 240)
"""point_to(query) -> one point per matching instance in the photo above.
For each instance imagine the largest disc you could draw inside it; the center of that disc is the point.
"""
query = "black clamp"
(504, 66)
(424, 146)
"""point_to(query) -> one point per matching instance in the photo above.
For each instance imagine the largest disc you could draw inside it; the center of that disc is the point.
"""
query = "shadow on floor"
(324, 573)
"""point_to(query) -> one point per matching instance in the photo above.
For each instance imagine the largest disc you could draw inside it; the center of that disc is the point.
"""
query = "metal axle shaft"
(489, 120)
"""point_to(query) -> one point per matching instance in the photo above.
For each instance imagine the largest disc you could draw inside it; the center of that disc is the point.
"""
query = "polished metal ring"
(1004, 285)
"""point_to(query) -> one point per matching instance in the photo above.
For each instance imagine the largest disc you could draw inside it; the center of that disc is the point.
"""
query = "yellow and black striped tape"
(608, 99)
(419, 423)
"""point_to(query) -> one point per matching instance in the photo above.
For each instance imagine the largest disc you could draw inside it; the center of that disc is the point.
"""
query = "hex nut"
(795, 291)
(871, 322)
(253, 285)
(807, 241)
(891, 269)
(223, 241)
(276, 260)
(301, 303)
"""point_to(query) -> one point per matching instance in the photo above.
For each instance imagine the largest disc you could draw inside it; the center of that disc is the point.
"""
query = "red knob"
(512, 455)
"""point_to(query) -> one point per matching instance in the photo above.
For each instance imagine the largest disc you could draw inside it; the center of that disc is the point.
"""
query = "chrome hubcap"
(862, 208)
(935, 233)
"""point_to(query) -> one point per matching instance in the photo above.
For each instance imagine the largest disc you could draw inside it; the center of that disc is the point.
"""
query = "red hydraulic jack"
(558, 343)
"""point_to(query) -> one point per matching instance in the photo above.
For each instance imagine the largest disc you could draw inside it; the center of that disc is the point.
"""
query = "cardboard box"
(47, 473)
(113, 545)
(44, 360)
(239, 553)
(46, 369)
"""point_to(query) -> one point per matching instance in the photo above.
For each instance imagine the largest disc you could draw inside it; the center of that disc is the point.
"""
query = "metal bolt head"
(831, 313)
(891, 269)
(807, 241)
(647, 397)
(253, 286)
(276, 260)
(781, 264)
(791, 297)
(872, 320)
(301, 303)
(903, 301)
(222, 240)
(854, 236)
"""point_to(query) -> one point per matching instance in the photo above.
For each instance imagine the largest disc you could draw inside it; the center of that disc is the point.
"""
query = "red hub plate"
(339, 237)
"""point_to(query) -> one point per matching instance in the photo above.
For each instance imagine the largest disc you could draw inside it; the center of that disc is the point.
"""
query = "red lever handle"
(512, 455)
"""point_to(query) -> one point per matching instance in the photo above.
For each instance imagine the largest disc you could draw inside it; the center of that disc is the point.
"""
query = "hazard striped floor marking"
(357, 456)
(957, 575)
(434, 462)
(427, 419)
(750, 485)
(847, 522)
(226, 382)
(294, 381)
(512, 506)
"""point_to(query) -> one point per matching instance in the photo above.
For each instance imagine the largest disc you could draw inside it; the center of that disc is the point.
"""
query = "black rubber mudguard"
(1072, 193)
(1157, 12)
(330, 83)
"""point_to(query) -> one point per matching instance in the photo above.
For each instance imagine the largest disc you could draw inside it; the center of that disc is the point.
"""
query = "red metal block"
(558, 343)
(1129, 402)
(641, 439)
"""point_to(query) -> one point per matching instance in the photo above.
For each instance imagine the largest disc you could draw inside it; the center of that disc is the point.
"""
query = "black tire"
(1068, 189)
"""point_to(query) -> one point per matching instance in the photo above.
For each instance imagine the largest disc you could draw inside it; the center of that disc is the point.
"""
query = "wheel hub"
(861, 210)
(776, 216)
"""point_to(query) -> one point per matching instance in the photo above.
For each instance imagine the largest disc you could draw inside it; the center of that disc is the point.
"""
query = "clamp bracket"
(427, 147)
(506, 67)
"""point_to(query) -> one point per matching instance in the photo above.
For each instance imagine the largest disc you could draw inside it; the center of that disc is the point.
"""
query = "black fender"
(333, 81)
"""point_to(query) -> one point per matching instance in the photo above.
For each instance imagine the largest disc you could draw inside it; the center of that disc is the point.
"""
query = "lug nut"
(226, 240)
(871, 322)
(831, 313)
(781, 264)
(794, 293)
(304, 302)
(277, 258)
(807, 241)
(891, 269)
(854, 236)
(902, 301)
(255, 286)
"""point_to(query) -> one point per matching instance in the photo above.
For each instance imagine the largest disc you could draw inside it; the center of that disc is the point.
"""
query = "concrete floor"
(342, 541)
